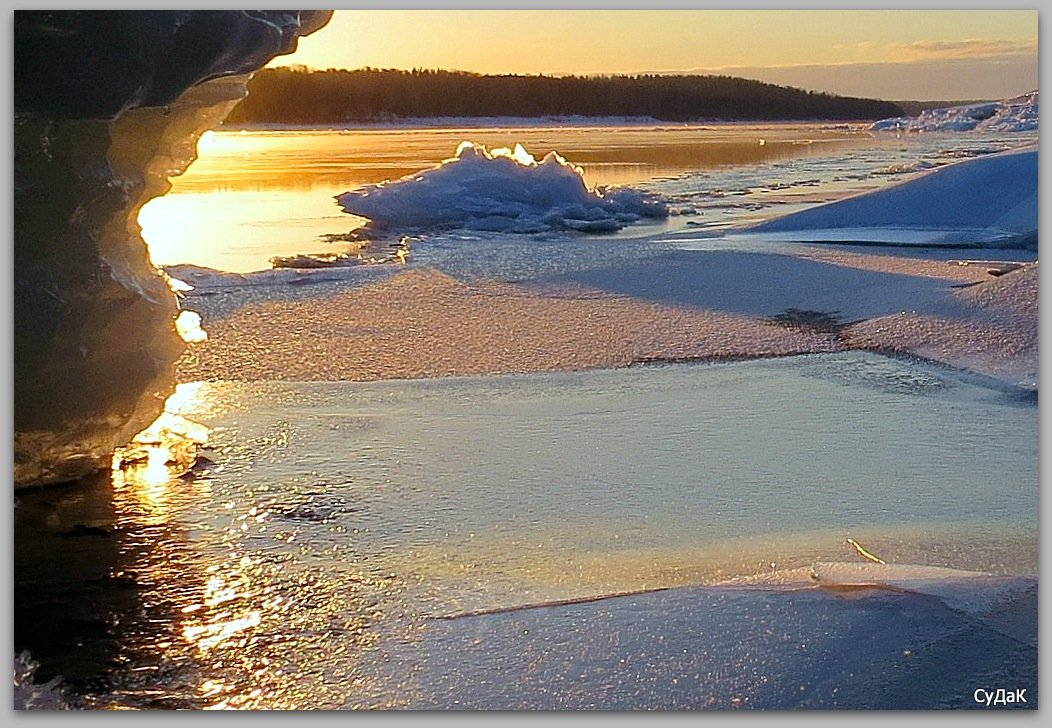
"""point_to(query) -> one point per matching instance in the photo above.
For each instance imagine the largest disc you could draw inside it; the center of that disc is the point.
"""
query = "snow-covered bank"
(1019, 113)
(501, 190)
(987, 201)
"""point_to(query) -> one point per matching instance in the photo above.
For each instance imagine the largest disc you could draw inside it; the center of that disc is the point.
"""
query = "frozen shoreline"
(682, 298)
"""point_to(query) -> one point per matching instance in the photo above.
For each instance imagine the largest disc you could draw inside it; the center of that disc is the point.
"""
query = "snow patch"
(988, 201)
(1010, 115)
(500, 190)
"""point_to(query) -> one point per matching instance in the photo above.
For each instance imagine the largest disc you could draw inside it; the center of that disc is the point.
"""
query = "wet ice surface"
(649, 455)
(310, 561)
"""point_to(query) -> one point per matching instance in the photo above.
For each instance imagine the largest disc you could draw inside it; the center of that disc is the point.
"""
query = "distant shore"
(517, 122)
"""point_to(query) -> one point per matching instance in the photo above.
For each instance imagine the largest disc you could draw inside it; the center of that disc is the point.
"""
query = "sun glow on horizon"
(983, 53)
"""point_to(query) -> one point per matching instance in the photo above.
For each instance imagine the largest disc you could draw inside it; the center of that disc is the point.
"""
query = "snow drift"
(1015, 114)
(500, 191)
(988, 201)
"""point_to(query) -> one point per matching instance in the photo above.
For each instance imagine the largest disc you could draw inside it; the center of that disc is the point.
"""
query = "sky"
(891, 54)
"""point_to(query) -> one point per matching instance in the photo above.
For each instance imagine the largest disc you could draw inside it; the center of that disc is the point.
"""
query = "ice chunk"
(30, 695)
(500, 190)
(108, 107)
(1016, 114)
(188, 326)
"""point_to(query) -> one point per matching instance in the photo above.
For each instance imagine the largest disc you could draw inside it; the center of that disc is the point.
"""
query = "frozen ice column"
(109, 105)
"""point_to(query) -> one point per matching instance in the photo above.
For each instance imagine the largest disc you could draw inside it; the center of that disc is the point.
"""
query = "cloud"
(970, 48)
(863, 53)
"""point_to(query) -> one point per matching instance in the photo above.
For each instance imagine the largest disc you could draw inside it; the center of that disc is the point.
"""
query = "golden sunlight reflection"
(207, 636)
(143, 471)
(188, 326)
(186, 397)
(239, 615)
(519, 154)
(234, 600)
(253, 196)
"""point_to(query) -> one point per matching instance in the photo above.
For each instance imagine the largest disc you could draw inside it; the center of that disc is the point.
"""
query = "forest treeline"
(297, 95)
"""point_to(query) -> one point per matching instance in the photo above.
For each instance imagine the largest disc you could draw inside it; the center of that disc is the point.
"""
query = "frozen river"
(338, 521)
(612, 538)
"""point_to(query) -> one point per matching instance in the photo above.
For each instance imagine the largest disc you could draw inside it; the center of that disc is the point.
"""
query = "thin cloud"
(974, 49)
(960, 49)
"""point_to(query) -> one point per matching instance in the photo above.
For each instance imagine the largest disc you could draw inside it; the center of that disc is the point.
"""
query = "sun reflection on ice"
(233, 605)
(142, 471)
(188, 326)
(207, 636)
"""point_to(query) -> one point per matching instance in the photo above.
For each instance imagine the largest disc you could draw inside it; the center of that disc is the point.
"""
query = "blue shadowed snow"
(989, 201)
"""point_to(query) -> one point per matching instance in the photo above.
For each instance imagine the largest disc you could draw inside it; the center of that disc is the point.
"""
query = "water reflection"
(144, 588)
(251, 196)
(317, 160)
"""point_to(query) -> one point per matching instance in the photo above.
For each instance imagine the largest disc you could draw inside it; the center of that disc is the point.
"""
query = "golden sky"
(894, 54)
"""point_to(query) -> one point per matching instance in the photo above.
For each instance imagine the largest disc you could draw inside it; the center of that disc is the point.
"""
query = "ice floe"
(500, 190)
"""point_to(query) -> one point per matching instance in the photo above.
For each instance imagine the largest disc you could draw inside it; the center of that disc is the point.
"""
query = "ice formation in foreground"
(94, 322)
(1015, 114)
(500, 190)
(988, 201)
(30, 695)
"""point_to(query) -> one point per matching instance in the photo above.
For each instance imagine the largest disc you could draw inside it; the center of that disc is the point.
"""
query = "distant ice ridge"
(988, 201)
(500, 190)
(1015, 114)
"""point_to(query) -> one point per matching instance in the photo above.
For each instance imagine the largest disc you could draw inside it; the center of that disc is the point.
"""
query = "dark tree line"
(300, 96)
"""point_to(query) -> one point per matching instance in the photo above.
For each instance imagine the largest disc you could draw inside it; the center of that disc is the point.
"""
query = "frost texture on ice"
(988, 201)
(1015, 114)
(500, 190)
